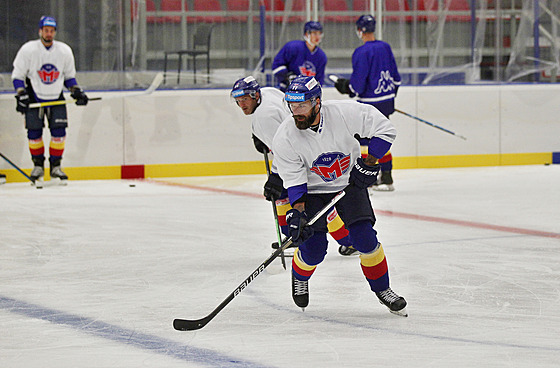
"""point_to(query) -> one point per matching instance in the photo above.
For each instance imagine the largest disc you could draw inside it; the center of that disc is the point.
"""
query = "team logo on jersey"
(307, 69)
(330, 166)
(385, 83)
(48, 74)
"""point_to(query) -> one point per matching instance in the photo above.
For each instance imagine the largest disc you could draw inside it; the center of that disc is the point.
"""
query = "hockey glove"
(259, 145)
(288, 78)
(79, 95)
(22, 99)
(343, 86)
(297, 226)
(273, 187)
(362, 175)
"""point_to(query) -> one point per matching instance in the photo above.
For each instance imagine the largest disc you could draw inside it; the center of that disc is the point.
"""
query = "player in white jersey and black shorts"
(42, 68)
(267, 110)
(317, 156)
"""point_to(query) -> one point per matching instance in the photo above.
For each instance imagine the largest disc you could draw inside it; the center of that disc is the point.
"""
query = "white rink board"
(192, 126)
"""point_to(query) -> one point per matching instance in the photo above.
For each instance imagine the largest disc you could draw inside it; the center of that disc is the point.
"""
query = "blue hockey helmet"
(47, 21)
(245, 86)
(366, 23)
(312, 26)
(302, 89)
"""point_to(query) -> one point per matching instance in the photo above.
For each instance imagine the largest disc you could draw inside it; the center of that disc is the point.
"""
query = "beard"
(303, 121)
(48, 39)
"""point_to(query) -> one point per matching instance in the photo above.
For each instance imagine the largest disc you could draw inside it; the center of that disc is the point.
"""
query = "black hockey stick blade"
(197, 324)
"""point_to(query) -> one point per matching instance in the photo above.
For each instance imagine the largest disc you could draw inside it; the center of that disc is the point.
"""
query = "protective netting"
(122, 44)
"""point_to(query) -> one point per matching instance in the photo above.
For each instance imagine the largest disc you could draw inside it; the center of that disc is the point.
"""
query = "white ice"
(93, 274)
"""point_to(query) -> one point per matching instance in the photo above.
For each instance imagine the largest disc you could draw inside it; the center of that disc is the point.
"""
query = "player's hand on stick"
(79, 95)
(273, 187)
(259, 145)
(297, 222)
(22, 99)
(363, 175)
(343, 86)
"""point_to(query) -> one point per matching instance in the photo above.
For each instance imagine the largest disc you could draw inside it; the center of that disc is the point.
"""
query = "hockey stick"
(17, 168)
(196, 324)
(334, 79)
(430, 124)
(155, 84)
(278, 234)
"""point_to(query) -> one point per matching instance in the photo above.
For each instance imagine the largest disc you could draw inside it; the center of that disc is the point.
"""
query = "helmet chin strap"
(359, 34)
(308, 40)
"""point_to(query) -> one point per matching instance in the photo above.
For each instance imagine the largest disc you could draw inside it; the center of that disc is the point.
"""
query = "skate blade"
(383, 188)
(403, 312)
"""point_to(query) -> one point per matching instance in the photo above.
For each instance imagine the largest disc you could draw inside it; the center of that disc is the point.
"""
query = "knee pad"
(34, 133)
(364, 236)
(58, 132)
(314, 249)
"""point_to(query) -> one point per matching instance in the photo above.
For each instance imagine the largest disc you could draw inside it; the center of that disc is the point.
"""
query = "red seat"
(390, 5)
(335, 7)
(208, 6)
(454, 5)
(299, 7)
(172, 5)
(238, 6)
(278, 7)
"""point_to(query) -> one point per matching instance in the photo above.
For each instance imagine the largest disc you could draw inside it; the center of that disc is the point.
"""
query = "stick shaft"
(16, 167)
(196, 324)
(275, 211)
(430, 124)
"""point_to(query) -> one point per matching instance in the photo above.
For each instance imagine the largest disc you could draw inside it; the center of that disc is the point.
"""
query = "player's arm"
(76, 91)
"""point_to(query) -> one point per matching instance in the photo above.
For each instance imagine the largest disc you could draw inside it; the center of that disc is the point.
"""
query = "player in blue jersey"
(317, 156)
(301, 57)
(42, 68)
(375, 80)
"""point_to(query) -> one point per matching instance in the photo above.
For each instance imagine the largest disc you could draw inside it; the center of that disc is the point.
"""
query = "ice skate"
(395, 303)
(384, 182)
(2, 179)
(300, 292)
(57, 173)
(347, 251)
(37, 174)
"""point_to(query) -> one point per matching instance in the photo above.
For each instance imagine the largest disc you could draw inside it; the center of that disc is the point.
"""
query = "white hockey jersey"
(323, 159)
(268, 116)
(47, 69)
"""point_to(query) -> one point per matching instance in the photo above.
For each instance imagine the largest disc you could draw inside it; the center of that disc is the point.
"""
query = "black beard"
(305, 124)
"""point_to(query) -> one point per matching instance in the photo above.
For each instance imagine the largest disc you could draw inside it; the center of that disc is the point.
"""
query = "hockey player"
(301, 57)
(316, 158)
(267, 110)
(41, 69)
(375, 81)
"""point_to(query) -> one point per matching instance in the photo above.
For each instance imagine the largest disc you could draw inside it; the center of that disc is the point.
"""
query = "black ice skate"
(384, 182)
(347, 251)
(300, 292)
(395, 303)
(57, 173)
(38, 169)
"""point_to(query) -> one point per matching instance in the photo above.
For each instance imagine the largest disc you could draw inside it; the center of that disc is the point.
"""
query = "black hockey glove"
(273, 187)
(297, 226)
(362, 175)
(22, 102)
(79, 95)
(259, 145)
(343, 86)
(288, 78)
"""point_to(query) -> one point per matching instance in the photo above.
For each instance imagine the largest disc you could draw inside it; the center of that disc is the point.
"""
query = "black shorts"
(56, 115)
(353, 207)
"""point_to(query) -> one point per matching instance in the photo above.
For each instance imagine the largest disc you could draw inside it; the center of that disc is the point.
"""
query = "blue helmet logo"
(47, 21)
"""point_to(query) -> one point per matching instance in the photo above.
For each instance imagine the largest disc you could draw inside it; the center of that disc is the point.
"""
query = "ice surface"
(93, 274)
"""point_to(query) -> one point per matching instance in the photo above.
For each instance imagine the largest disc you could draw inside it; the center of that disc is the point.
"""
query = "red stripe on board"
(132, 172)
(441, 220)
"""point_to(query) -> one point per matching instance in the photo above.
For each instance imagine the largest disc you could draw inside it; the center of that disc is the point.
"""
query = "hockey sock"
(337, 229)
(374, 267)
(56, 147)
(36, 146)
(386, 162)
(301, 270)
(283, 206)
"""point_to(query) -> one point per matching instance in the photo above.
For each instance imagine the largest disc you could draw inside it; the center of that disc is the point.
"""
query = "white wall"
(195, 126)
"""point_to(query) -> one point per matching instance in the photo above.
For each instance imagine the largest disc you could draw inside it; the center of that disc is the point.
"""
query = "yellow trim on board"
(257, 167)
